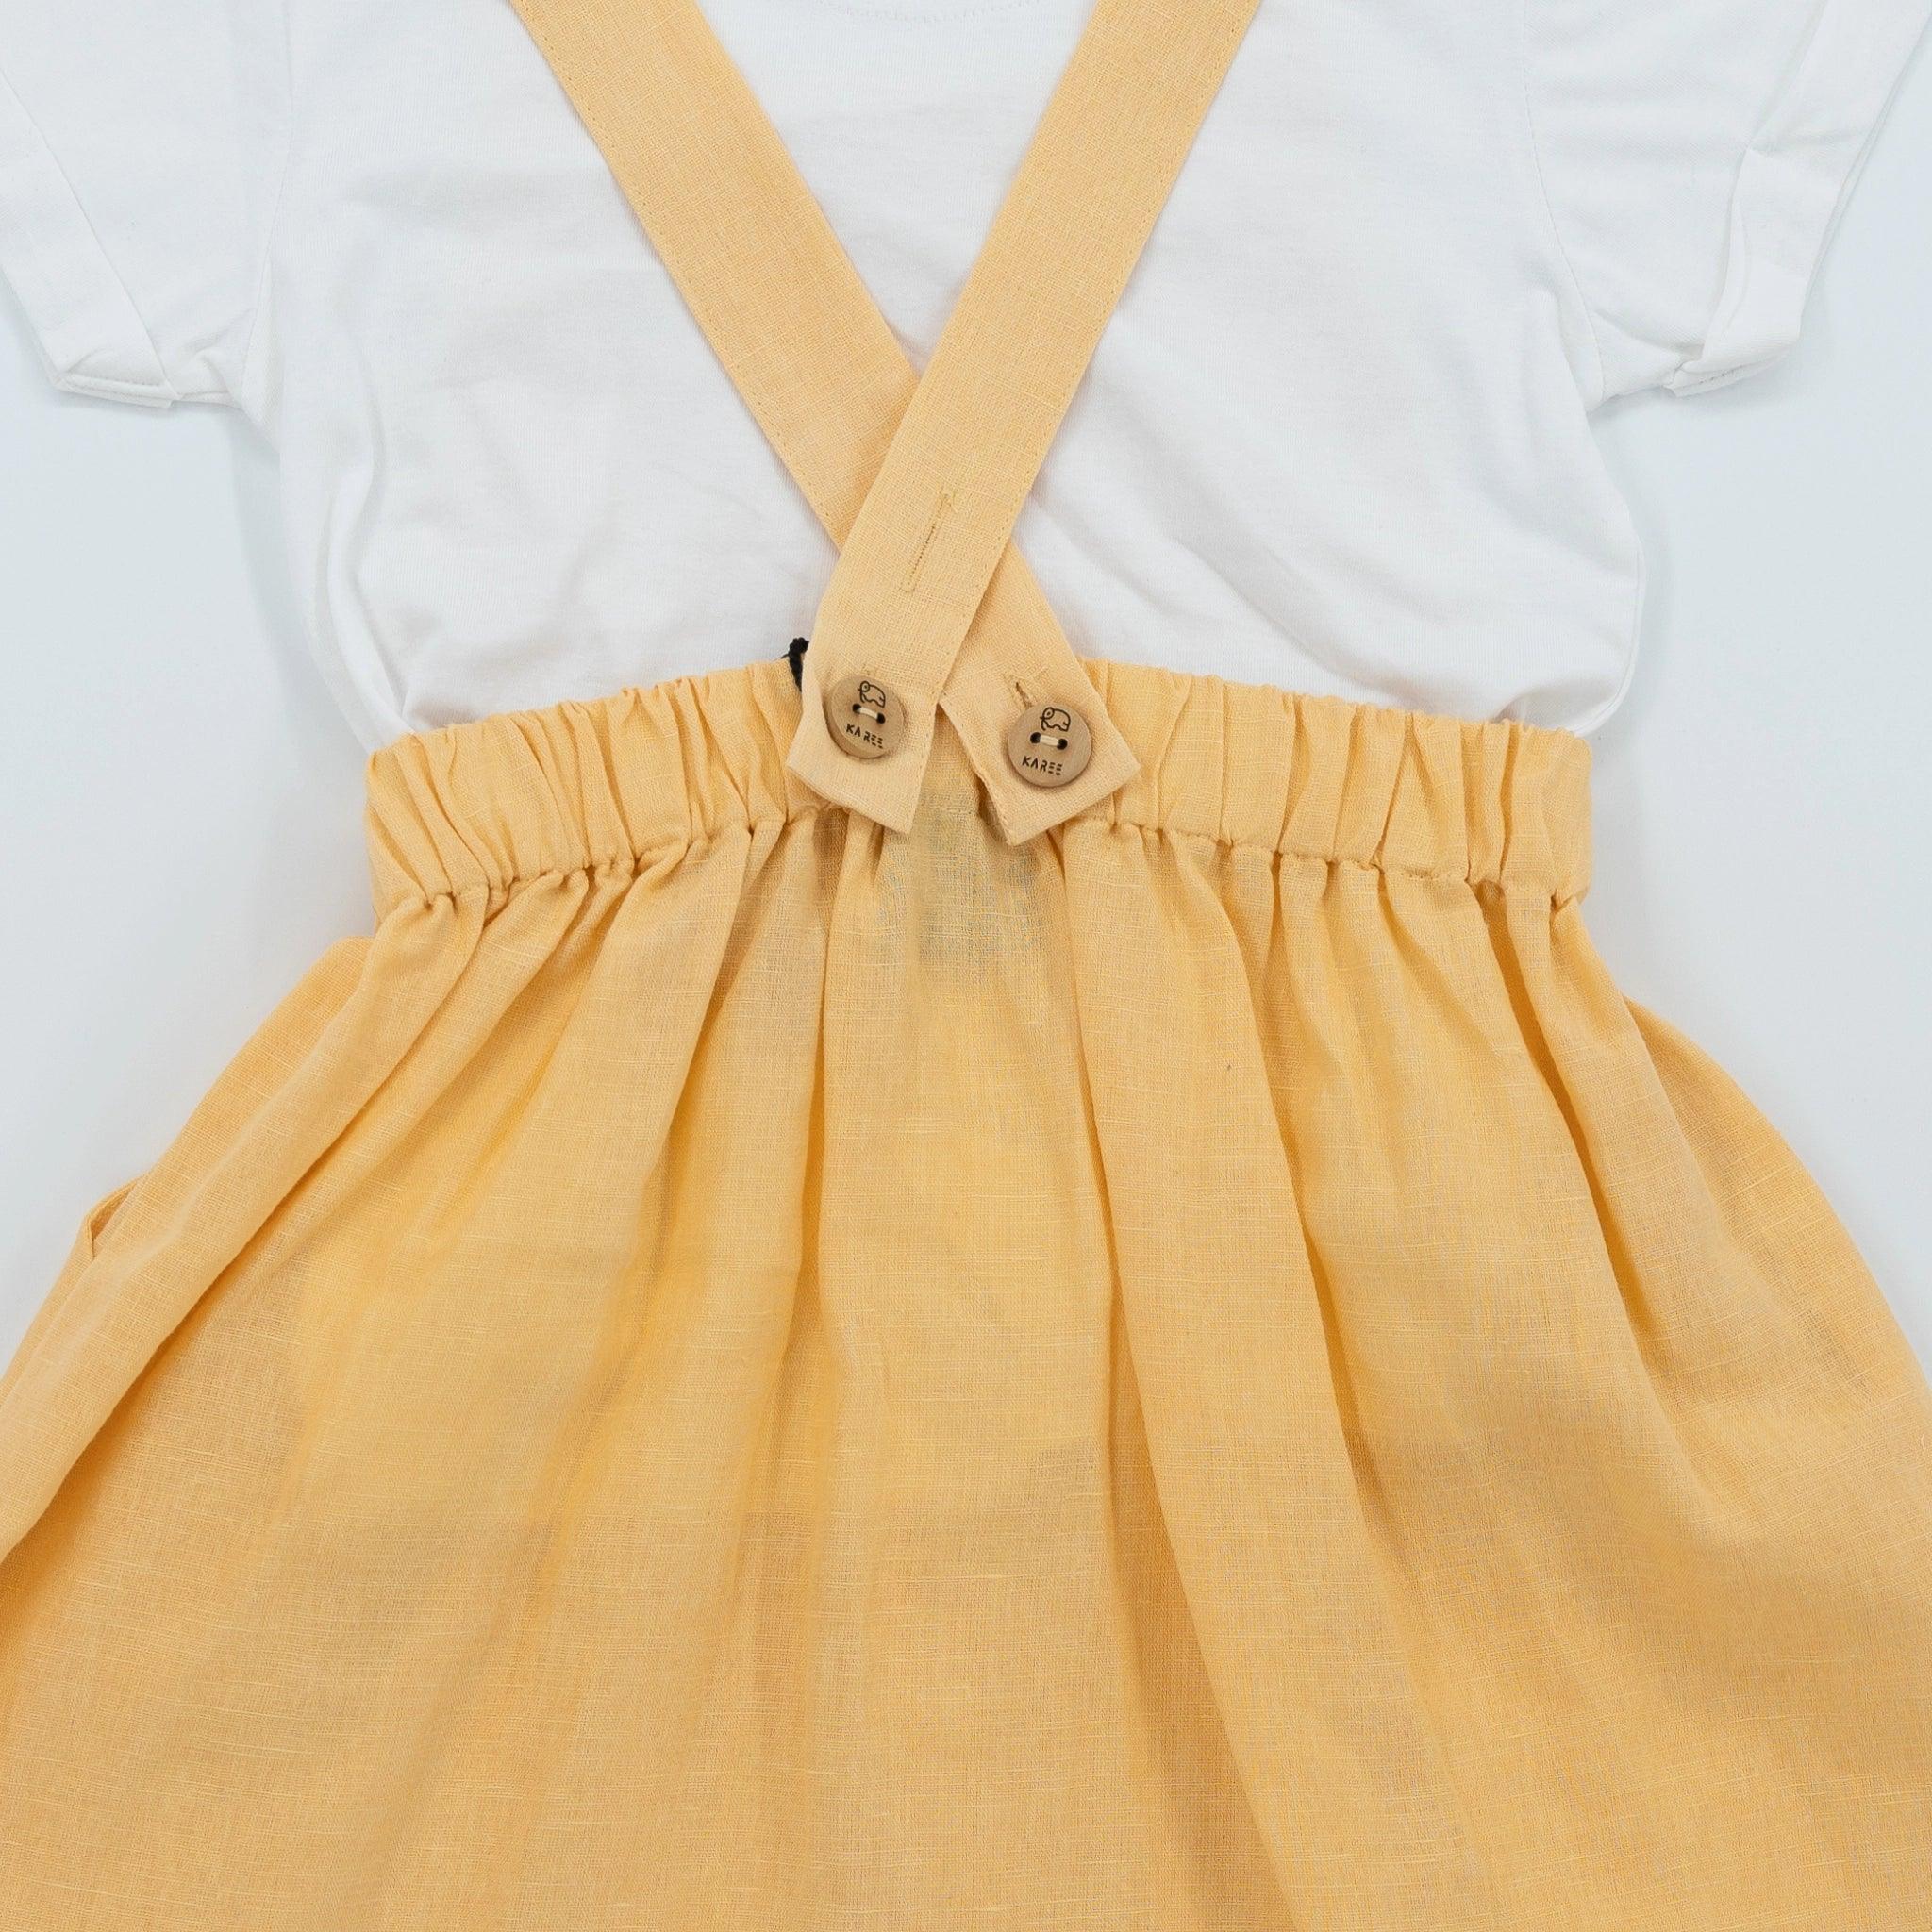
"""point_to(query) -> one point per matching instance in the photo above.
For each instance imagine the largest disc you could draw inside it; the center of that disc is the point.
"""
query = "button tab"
(867, 721)
(1049, 745)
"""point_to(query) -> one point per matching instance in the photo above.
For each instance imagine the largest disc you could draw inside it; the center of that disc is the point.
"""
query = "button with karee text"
(867, 720)
(1049, 745)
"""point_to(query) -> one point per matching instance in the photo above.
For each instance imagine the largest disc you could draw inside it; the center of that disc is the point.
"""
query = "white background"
(180, 804)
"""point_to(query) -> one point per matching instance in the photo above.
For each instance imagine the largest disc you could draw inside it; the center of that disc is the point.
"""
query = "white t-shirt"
(1336, 437)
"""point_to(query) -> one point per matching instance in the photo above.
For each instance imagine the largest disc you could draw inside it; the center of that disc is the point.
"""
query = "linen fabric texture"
(730, 1367)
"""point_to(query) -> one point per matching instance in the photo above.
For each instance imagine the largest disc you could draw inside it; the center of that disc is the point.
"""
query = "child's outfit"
(959, 1278)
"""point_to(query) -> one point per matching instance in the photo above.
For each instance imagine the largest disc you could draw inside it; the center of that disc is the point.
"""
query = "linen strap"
(920, 480)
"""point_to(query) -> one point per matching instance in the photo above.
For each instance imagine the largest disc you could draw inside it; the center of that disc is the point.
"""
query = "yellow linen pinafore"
(996, 1291)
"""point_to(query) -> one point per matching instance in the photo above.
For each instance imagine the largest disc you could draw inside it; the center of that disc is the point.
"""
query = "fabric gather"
(619, 780)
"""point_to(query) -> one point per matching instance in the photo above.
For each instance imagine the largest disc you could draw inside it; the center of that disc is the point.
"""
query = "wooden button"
(1049, 745)
(867, 720)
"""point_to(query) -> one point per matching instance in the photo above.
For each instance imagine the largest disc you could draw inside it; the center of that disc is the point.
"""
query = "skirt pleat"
(726, 1367)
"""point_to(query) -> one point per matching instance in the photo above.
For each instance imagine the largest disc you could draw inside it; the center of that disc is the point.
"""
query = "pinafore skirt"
(728, 1367)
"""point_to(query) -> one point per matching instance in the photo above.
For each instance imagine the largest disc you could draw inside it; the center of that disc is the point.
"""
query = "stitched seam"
(274, 215)
(1419, 873)
(693, 845)
(109, 386)
(939, 516)
(1549, 208)
(699, 844)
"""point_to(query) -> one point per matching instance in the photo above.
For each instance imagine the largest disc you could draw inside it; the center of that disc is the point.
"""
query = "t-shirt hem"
(83, 321)
(1795, 181)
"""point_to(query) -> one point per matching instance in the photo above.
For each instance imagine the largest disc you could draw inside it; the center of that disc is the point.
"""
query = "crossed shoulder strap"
(918, 478)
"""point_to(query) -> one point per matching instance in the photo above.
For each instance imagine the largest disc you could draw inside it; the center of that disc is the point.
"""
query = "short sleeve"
(1695, 156)
(140, 154)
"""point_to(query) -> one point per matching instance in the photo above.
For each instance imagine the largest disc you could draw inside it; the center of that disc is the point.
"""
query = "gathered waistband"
(479, 807)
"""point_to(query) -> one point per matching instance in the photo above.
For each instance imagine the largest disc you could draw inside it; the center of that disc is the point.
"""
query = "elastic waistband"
(614, 781)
